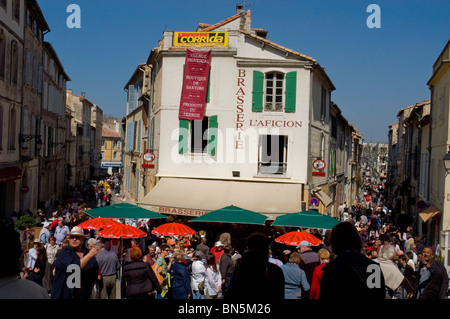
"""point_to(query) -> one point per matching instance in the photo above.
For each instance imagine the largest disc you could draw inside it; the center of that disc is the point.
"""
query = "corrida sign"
(200, 39)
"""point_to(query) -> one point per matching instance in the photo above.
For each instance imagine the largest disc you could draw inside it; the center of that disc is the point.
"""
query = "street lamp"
(447, 161)
(26, 137)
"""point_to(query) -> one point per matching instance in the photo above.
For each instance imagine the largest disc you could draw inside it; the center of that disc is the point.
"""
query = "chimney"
(239, 8)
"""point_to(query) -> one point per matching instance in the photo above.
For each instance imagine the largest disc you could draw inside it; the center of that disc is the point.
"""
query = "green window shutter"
(290, 94)
(183, 136)
(258, 91)
(212, 135)
(209, 81)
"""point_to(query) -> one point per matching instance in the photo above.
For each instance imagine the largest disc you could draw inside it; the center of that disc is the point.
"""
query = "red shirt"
(316, 279)
(217, 254)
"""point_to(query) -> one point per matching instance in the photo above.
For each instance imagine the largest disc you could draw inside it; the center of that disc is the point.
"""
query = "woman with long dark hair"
(213, 278)
(38, 273)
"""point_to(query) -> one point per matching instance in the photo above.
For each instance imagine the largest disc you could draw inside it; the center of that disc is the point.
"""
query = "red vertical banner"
(195, 84)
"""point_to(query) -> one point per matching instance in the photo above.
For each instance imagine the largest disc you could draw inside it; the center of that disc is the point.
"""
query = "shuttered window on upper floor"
(274, 91)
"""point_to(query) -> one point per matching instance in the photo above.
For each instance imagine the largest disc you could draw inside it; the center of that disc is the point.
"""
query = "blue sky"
(376, 72)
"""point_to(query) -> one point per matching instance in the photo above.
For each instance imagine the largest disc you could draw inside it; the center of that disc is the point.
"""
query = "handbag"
(157, 269)
(201, 287)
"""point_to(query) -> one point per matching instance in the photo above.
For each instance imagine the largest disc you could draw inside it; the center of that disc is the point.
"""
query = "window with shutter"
(183, 136)
(130, 136)
(257, 91)
(274, 92)
(290, 93)
(139, 137)
(131, 98)
(212, 135)
(198, 139)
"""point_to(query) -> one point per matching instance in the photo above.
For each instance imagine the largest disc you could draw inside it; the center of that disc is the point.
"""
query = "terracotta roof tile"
(106, 132)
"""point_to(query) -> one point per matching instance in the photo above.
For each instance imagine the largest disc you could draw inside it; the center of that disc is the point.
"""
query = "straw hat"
(77, 231)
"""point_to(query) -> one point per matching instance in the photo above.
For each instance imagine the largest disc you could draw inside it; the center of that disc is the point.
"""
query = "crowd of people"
(158, 267)
(366, 255)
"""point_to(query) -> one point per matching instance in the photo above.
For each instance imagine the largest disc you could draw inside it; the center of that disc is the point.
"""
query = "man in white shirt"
(61, 231)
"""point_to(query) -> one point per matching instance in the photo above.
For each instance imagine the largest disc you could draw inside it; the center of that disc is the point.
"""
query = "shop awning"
(428, 213)
(195, 197)
(8, 174)
(324, 198)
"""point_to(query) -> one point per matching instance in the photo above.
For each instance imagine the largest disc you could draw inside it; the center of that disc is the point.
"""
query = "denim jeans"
(196, 294)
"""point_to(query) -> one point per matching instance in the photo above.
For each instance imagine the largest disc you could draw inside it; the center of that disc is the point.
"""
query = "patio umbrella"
(294, 238)
(307, 219)
(124, 210)
(122, 231)
(173, 229)
(232, 214)
(97, 223)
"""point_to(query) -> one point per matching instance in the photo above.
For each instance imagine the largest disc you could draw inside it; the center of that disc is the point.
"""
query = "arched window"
(25, 125)
(274, 84)
(12, 134)
(28, 67)
(2, 54)
(14, 65)
(35, 74)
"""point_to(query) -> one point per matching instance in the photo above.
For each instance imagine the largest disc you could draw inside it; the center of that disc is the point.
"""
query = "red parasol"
(294, 238)
(97, 223)
(173, 229)
(122, 231)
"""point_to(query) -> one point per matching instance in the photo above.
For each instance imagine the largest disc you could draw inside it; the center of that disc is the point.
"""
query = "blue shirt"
(293, 277)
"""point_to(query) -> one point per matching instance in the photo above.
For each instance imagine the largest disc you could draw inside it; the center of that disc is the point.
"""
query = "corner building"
(252, 148)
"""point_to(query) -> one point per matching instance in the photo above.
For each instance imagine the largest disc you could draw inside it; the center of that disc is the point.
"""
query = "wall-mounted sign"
(314, 201)
(318, 174)
(319, 164)
(149, 156)
(195, 84)
(200, 39)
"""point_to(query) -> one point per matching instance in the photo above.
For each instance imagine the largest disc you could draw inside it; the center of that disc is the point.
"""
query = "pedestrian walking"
(198, 272)
(296, 285)
(74, 255)
(32, 256)
(45, 232)
(433, 281)
(324, 257)
(163, 268)
(309, 261)
(213, 281)
(254, 277)
(51, 249)
(345, 277)
(61, 231)
(226, 267)
(181, 283)
(393, 277)
(38, 272)
(138, 280)
(109, 265)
